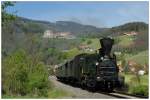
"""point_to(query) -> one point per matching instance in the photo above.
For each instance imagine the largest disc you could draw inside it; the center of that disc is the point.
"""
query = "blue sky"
(100, 14)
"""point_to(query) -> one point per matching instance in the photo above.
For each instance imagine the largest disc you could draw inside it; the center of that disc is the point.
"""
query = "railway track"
(129, 95)
(123, 95)
(84, 93)
(118, 94)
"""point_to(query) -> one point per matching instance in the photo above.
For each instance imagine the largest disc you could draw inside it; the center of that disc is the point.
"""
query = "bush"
(24, 75)
(89, 42)
(139, 90)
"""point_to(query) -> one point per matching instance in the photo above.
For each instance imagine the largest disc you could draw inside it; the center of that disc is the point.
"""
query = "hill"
(24, 25)
(138, 27)
(35, 26)
(134, 26)
(16, 33)
(141, 57)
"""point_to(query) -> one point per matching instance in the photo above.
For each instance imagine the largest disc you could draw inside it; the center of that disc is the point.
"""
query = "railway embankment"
(74, 91)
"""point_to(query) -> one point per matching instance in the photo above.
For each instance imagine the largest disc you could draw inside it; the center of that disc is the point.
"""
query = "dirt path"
(78, 92)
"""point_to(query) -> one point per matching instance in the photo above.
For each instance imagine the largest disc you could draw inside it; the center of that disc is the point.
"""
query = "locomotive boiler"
(95, 71)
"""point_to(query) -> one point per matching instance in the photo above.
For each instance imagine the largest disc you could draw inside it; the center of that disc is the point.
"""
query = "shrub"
(139, 90)
(23, 75)
(89, 42)
(14, 73)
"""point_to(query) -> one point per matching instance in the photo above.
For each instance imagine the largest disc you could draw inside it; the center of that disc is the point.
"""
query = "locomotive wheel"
(91, 84)
(83, 85)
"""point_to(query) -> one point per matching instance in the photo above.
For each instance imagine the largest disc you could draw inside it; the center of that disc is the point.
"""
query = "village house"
(51, 34)
(136, 68)
(48, 34)
(132, 33)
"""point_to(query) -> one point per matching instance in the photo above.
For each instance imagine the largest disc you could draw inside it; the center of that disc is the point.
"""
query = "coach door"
(81, 65)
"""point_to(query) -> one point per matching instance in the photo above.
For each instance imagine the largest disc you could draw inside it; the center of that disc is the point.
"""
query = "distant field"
(130, 77)
(140, 58)
(125, 40)
(72, 52)
(95, 44)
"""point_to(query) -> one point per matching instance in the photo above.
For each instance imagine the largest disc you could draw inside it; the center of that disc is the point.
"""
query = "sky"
(100, 13)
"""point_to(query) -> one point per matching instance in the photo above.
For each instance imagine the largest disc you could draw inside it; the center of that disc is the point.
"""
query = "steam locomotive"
(95, 71)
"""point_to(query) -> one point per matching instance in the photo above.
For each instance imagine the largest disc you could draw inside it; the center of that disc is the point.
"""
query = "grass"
(13, 97)
(137, 87)
(125, 40)
(129, 77)
(72, 53)
(95, 44)
(140, 58)
(21, 97)
(58, 93)
(53, 93)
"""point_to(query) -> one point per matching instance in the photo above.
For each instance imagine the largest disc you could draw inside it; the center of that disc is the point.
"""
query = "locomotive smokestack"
(106, 45)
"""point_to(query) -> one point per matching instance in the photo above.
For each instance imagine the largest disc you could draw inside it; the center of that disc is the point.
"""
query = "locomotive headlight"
(96, 63)
(98, 78)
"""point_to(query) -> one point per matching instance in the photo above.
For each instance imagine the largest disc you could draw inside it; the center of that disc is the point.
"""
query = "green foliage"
(135, 86)
(141, 57)
(141, 41)
(95, 44)
(71, 53)
(83, 39)
(53, 56)
(134, 47)
(6, 18)
(89, 42)
(119, 30)
(32, 27)
(133, 26)
(125, 40)
(139, 90)
(58, 93)
(24, 75)
(117, 40)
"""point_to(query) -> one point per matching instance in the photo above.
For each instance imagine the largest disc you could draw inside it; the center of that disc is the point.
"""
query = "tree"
(6, 18)
(23, 74)
(89, 42)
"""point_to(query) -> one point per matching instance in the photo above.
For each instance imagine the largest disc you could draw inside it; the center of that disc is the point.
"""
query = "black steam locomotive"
(95, 71)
